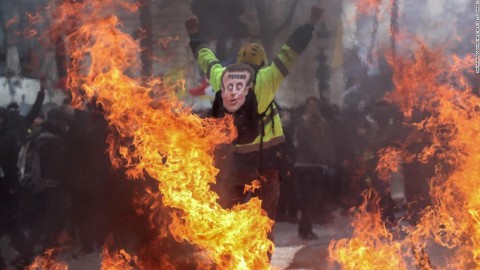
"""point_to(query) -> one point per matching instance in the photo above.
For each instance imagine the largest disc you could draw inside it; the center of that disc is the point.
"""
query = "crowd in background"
(80, 200)
(329, 158)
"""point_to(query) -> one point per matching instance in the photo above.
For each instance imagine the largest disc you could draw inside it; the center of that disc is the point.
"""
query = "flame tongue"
(164, 140)
(433, 92)
(434, 86)
(372, 246)
(452, 126)
(47, 261)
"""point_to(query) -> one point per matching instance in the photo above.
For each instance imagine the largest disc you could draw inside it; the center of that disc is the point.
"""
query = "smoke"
(435, 22)
(367, 31)
(375, 28)
(440, 23)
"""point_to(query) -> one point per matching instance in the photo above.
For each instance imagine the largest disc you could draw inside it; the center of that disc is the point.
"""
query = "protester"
(88, 181)
(23, 124)
(288, 201)
(9, 147)
(247, 91)
(44, 173)
(315, 155)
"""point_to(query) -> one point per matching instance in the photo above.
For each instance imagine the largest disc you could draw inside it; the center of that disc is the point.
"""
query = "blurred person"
(260, 135)
(24, 106)
(354, 151)
(88, 181)
(44, 174)
(315, 156)
(288, 201)
(21, 123)
(9, 147)
(37, 123)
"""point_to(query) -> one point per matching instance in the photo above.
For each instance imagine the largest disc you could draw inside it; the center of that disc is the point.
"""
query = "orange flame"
(251, 188)
(389, 162)
(367, 6)
(162, 139)
(441, 89)
(46, 261)
(11, 22)
(372, 245)
(165, 41)
(34, 18)
(436, 86)
(119, 261)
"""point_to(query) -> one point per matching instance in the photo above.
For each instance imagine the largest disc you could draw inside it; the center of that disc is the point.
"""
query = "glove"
(191, 25)
(316, 13)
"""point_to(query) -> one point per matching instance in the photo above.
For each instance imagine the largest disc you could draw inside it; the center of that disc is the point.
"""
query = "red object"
(199, 90)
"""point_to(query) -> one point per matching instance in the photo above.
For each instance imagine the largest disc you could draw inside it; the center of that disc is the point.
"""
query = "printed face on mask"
(235, 88)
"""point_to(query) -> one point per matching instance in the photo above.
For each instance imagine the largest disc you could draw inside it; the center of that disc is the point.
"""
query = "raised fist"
(316, 13)
(43, 83)
(191, 25)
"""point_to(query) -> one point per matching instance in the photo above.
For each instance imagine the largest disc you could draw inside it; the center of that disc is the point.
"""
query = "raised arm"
(206, 59)
(270, 78)
(37, 105)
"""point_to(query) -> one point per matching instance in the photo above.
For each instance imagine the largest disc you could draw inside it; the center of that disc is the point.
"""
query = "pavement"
(291, 252)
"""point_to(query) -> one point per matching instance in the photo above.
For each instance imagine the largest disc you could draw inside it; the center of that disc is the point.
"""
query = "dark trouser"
(288, 201)
(88, 217)
(11, 225)
(47, 217)
(309, 179)
(269, 191)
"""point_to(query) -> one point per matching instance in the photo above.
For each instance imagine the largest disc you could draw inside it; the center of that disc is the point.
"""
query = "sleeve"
(269, 78)
(211, 67)
(300, 39)
(10, 166)
(35, 110)
(207, 61)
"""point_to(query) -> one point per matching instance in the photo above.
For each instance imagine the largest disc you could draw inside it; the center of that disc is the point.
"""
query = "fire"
(120, 260)
(434, 86)
(366, 6)
(251, 188)
(390, 159)
(11, 22)
(165, 41)
(161, 139)
(46, 261)
(372, 246)
(34, 18)
(437, 85)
